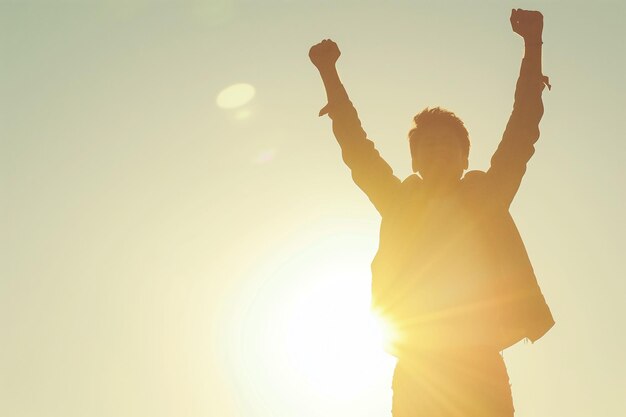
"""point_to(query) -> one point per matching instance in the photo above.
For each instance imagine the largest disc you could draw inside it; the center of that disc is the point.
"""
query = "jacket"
(521, 308)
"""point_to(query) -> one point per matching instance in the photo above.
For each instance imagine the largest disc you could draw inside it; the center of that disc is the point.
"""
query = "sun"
(335, 343)
(332, 340)
(308, 335)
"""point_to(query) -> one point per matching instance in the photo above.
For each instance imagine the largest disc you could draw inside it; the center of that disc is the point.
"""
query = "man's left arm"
(508, 164)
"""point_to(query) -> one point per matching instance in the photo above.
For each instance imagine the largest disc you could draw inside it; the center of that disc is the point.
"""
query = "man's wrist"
(533, 41)
(327, 68)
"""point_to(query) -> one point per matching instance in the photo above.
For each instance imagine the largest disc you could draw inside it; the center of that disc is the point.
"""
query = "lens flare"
(235, 96)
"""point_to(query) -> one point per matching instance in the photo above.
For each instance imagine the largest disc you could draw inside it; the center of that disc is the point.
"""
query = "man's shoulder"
(475, 182)
(409, 189)
(412, 180)
(472, 176)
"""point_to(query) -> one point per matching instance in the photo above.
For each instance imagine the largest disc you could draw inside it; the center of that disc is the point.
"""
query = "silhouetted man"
(451, 273)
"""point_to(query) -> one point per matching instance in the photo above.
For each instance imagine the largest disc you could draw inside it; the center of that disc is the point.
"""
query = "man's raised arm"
(369, 171)
(508, 164)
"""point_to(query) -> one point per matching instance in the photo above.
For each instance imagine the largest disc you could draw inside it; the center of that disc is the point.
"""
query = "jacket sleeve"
(369, 170)
(508, 164)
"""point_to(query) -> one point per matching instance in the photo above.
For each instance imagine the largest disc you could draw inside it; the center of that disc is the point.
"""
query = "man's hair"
(438, 117)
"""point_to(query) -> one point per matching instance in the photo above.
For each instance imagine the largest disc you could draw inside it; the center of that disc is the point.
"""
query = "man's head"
(439, 145)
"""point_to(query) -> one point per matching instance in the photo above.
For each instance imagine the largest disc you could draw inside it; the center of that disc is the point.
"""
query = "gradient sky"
(153, 243)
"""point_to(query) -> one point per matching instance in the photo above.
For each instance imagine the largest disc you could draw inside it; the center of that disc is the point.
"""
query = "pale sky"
(164, 256)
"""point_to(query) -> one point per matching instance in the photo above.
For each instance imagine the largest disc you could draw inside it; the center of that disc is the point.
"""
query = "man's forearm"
(530, 83)
(531, 68)
(335, 91)
(531, 64)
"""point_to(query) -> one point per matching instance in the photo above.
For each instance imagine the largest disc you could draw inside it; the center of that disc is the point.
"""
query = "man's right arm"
(369, 171)
(508, 164)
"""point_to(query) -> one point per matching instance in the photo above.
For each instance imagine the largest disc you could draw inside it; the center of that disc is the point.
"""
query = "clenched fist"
(528, 24)
(324, 54)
